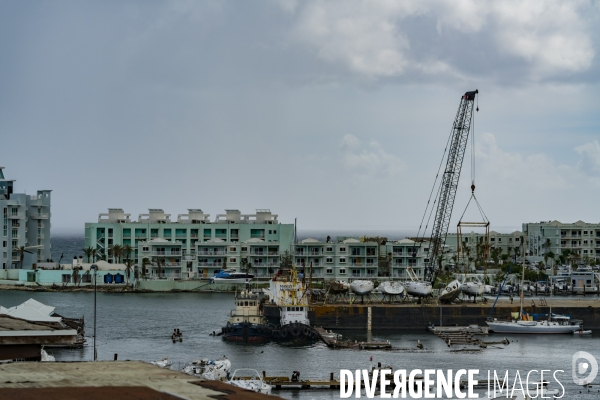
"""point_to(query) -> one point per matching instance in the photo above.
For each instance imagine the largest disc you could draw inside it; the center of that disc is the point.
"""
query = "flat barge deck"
(398, 317)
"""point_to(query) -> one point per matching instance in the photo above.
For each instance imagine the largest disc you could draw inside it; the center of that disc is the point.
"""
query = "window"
(585, 242)
(342, 259)
(585, 232)
(232, 249)
(342, 249)
(270, 231)
(356, 251)
(207, 233)
(145, 248)
(275, 232)
(329, 249)
(244, 248)
(492, 239)
(517, 239)
(499, 239)
(329, 271)
(329, 259)
(342, 270)
(232, 260)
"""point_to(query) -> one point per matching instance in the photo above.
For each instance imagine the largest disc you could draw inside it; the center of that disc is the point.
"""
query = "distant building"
(25, 226)
(582, 239)
(507, 243)
(351, 258)
(193, 246)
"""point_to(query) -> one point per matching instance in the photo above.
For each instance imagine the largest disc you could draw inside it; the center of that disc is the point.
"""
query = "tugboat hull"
(246, 333)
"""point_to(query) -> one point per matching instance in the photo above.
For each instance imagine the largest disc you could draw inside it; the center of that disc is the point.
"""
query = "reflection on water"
(139, 327)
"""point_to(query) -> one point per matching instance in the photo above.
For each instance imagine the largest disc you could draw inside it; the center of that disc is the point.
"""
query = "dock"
(334, 340)
(284, 382)
(454, 335)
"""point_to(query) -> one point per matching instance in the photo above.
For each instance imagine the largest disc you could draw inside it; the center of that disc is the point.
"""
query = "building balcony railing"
(16, 216)
(257, 253)
(212, 253)
(299, 253)
(315, 252)
(210, 264)
(256, 236)
(39, 216)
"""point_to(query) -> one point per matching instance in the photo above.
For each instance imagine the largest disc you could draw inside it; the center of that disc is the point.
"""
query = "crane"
(444, 201)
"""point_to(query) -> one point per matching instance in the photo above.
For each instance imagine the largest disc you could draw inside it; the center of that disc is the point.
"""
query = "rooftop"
(109, 379)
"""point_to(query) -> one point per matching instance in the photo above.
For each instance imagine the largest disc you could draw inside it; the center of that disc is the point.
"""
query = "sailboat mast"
(522, 276)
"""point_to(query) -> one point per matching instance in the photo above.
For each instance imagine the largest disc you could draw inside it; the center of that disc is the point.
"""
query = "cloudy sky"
(334, 112)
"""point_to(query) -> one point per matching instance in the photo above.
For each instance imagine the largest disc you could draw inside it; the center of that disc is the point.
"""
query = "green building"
(193, 246)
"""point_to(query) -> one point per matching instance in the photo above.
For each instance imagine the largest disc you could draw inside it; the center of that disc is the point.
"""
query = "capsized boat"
(337, 287)
(450, 292)
(246, 323)
(361, 287)
(250, 379)
(231, 276)
(391, 288)
(214, 370)
(163, 362)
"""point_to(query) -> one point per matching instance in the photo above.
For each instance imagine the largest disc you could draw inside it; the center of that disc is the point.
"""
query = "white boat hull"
(472, 288)
(537, 327)
(451, 291)
(361, 287)
(418, 288)
(391, 288)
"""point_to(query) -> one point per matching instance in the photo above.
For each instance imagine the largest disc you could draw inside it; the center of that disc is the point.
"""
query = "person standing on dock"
(511, 299)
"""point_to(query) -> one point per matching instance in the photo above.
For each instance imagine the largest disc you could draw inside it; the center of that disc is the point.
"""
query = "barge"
(406, 317)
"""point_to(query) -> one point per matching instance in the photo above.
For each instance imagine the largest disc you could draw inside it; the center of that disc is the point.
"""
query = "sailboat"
(451, 291)
(416, 287)
(523, 323)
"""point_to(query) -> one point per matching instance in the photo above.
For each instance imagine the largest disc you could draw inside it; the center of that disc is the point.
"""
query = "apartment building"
(193, 245)
(582, 239)
(25, 226)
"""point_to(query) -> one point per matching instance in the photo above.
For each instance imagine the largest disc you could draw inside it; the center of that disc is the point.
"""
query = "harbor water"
(138, 326)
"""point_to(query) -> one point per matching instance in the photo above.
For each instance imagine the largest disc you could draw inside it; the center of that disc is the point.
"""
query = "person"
(511, 299)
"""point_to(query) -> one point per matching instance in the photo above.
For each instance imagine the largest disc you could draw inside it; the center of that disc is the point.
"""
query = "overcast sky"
(334, 112)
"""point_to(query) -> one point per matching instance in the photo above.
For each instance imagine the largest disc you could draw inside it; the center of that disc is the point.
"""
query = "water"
(138, 326)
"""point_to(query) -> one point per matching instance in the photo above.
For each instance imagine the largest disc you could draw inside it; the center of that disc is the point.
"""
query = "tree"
(88, 251)
(127, 250)
(159, 262)
(117, 252)
(94, 254)
(128, 268)
(286, 261)
(145, 262)
(21, 250)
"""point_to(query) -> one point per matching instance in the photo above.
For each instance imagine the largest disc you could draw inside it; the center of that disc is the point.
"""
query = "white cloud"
(590, 158)
(375, 38)
(370, 162)
(521, 173)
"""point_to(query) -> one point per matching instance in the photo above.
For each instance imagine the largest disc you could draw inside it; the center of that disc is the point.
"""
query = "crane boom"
(447, 191)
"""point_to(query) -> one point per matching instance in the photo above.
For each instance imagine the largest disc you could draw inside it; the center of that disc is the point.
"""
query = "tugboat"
(288, 291)
(246, 323)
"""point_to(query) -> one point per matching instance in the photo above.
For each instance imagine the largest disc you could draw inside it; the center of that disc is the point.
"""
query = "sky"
(332, 112)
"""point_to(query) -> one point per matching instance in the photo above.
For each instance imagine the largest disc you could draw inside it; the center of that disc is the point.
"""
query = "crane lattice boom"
(449, 183)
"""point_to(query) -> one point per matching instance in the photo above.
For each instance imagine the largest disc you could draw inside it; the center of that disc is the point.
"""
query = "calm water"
(138, 327)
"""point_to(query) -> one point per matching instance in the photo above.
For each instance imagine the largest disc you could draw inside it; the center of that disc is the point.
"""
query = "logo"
(583, 367)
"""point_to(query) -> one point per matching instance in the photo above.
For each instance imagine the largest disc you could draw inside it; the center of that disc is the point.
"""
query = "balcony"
(397, 253)
(315, 252)
(212, 252)
(16, 216)
(210, 264)
(39, 216)
(299, 253)
(257, 253)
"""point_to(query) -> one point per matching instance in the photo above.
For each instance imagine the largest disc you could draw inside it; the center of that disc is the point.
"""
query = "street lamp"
(95, 268)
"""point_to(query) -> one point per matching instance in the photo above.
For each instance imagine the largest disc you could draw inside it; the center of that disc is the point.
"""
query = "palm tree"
(88, 253)
(145, 262)
(128, 268)
(76, 276)
(94, 254)
(127, 249)
(117, 252)
(21, 250)
(159, 261)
